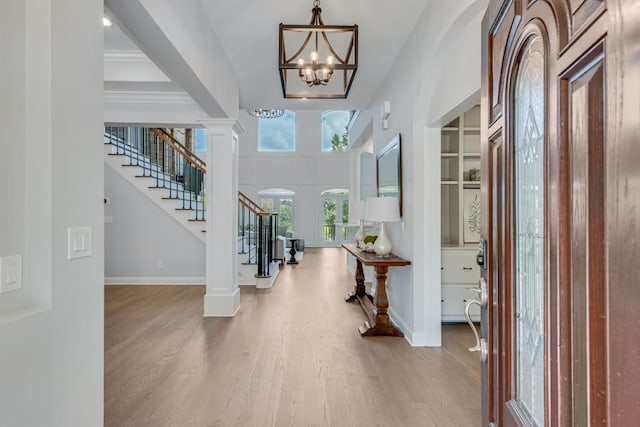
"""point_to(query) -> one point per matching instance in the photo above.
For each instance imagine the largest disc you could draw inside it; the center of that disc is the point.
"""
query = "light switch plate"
(79, 242)
(10, 273)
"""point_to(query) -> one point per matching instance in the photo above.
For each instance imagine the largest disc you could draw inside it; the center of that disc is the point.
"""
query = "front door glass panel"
(529, 231)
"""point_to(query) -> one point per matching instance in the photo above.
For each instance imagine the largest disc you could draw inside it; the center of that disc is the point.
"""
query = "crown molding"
(126, 56)
(138, 97)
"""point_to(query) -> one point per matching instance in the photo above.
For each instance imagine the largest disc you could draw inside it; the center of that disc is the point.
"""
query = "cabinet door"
(459, 267)
(454, 299)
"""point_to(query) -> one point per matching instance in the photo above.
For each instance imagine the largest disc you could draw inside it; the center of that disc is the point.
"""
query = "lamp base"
(382, 245)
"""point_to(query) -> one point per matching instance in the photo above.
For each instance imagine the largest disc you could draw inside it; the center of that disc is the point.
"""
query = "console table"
(375, 307)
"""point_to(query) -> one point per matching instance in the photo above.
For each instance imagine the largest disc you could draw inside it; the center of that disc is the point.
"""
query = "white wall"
(437, 69)
(142, 235)
(51, 354)
(308, 171)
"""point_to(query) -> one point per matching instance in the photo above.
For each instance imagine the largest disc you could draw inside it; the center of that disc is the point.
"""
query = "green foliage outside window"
(345, 211)
(329, 206)
(286, 216)
(335, 134)
(339, 144)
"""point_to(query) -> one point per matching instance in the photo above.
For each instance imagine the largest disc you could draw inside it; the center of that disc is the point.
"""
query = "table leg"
(382, 324)
(359, 288)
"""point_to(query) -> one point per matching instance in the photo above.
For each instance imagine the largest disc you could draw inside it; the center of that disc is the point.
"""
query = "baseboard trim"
(222, 305)
(155, 281)
(267, 282)
(397, 320)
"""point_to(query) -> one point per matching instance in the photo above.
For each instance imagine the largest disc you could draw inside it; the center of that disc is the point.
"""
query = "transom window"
(335, 135)
(279, 134)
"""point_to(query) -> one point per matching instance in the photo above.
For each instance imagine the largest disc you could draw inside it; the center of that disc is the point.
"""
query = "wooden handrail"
(248, 206)
(187, 154)
(247, 202)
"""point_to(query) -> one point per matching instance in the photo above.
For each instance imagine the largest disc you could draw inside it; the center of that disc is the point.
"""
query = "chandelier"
(266, 113)
(317, 58)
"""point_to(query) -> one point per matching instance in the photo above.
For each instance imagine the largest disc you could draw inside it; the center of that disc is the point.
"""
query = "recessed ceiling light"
(106, 21)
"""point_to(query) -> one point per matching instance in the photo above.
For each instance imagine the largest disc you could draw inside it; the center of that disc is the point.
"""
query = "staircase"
(173, 177)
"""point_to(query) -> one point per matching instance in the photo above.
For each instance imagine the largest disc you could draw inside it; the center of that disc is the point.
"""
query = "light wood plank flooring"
(291, 357)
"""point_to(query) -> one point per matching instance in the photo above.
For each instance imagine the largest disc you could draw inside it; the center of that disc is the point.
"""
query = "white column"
(223, 294)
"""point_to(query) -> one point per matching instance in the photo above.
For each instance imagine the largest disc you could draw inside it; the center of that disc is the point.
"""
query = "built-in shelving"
(460, 166)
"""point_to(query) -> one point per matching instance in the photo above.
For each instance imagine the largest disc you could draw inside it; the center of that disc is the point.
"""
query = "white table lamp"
(382, 209)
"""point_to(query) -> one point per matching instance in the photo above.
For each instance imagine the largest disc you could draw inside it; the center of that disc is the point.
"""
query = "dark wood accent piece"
(188, 139)
(501, 34)
(360, 289)
(292, 252)
(375, 307)
(591, 208)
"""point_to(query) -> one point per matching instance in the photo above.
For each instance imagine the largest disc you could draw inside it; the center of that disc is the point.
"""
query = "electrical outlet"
(160, 264)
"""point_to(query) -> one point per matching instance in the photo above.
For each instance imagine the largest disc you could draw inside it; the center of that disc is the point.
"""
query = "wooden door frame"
(564, 51)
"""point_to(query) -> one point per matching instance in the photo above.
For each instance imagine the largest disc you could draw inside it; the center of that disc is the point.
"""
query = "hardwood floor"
(291, 357)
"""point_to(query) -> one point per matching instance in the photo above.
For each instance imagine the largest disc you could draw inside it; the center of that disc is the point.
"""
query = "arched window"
(335, 211)
(279, 134)
(282, 201)
(335, 135)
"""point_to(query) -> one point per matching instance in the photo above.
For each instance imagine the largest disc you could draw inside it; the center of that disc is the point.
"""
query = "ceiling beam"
(178, 38)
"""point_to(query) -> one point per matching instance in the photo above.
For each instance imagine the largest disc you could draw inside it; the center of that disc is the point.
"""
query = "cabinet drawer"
(459, 267)
(454, 299)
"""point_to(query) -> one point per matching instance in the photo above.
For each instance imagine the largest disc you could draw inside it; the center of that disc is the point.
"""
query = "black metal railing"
(266, 245)
(160, 156)
(182, 174)
(247, 227)
(257, 231)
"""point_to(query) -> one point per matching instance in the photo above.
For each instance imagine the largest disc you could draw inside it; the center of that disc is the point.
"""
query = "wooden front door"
(561, 212)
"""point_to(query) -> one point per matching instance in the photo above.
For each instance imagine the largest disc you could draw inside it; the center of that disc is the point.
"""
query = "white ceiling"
(248, 31)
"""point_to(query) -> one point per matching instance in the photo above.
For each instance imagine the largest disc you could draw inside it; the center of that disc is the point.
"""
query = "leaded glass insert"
(529, 231)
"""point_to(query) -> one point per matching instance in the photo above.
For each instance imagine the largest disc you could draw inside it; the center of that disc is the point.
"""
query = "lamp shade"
(382, 209)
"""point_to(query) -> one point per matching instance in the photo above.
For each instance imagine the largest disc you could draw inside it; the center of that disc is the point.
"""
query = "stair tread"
(172, 189)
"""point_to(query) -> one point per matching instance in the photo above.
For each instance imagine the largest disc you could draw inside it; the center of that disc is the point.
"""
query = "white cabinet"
(459, 273)
(460, 209)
